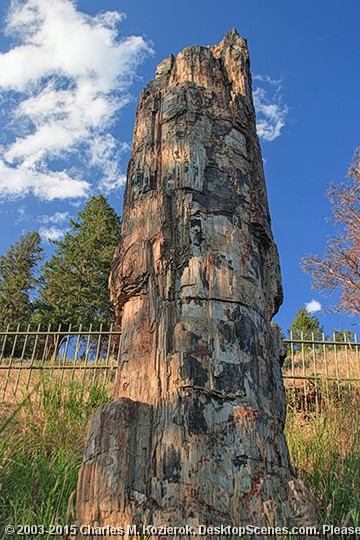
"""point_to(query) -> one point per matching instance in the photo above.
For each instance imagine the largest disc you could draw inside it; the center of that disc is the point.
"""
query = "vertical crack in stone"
(196, 434)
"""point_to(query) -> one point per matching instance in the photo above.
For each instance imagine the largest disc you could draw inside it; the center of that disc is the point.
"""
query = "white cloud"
(109, 184)
(105, 153)
(75, 204)
(267, 79)
(22, 215)
(62, 83)
(51, 233)
(271, 112)
(313, 306)
(58, 217)
(48, 185)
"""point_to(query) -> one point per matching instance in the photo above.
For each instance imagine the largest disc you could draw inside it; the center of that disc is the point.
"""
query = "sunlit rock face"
(196, 433)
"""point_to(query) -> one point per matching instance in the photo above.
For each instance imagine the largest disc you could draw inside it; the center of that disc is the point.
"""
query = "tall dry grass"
(324, 446)
(42, 440)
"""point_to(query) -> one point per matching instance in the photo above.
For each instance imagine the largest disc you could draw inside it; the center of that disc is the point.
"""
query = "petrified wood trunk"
(197, 434)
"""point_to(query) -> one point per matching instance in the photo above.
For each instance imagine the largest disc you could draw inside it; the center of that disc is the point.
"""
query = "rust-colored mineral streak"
(196, 434)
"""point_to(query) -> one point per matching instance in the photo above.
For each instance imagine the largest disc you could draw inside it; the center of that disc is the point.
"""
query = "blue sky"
(71, 73)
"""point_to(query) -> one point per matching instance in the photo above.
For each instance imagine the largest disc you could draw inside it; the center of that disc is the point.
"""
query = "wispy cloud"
(58, 217)
(62, 85)
(22, 215)
(313, 306)
(52, 233)
(271, 111)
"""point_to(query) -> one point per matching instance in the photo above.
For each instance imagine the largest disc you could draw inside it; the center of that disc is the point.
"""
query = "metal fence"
(316, 368)
(32, 357)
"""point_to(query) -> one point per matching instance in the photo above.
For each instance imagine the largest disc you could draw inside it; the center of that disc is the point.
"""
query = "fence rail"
(33, 356)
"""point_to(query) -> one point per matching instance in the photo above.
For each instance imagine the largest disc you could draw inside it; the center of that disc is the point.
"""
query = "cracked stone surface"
(196, 432)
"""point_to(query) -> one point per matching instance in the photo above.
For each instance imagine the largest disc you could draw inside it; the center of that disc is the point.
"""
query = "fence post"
(77, 347)
(68, 338)
(98, 349)
(33, 357)
(22, 359)
(10, 361)
(292, 361)
(325, 365)
(58, 334)
(108, 354)
(347, 345)
(88, 345)
(336, 364)
(315, 372)
(4, 344)
(304, 368)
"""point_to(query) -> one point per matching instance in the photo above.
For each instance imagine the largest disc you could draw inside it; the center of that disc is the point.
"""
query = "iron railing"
(323, 359)
(31, 356)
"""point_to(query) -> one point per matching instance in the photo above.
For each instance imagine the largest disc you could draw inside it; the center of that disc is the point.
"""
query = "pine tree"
(305, 326)
(17, 279)
(343, 335)
(75, 280)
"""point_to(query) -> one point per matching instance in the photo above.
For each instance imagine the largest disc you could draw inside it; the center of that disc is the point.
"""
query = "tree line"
(307, 326)
(71, 287)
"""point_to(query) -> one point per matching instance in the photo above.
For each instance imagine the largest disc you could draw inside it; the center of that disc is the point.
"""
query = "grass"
(18, 379)
(42, 442)
(41, 452)
(325, 450)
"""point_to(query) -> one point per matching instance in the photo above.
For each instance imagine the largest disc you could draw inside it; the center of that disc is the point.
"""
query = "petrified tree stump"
(196, 436)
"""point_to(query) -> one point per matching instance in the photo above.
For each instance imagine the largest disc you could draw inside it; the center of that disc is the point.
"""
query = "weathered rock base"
(124, 481)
